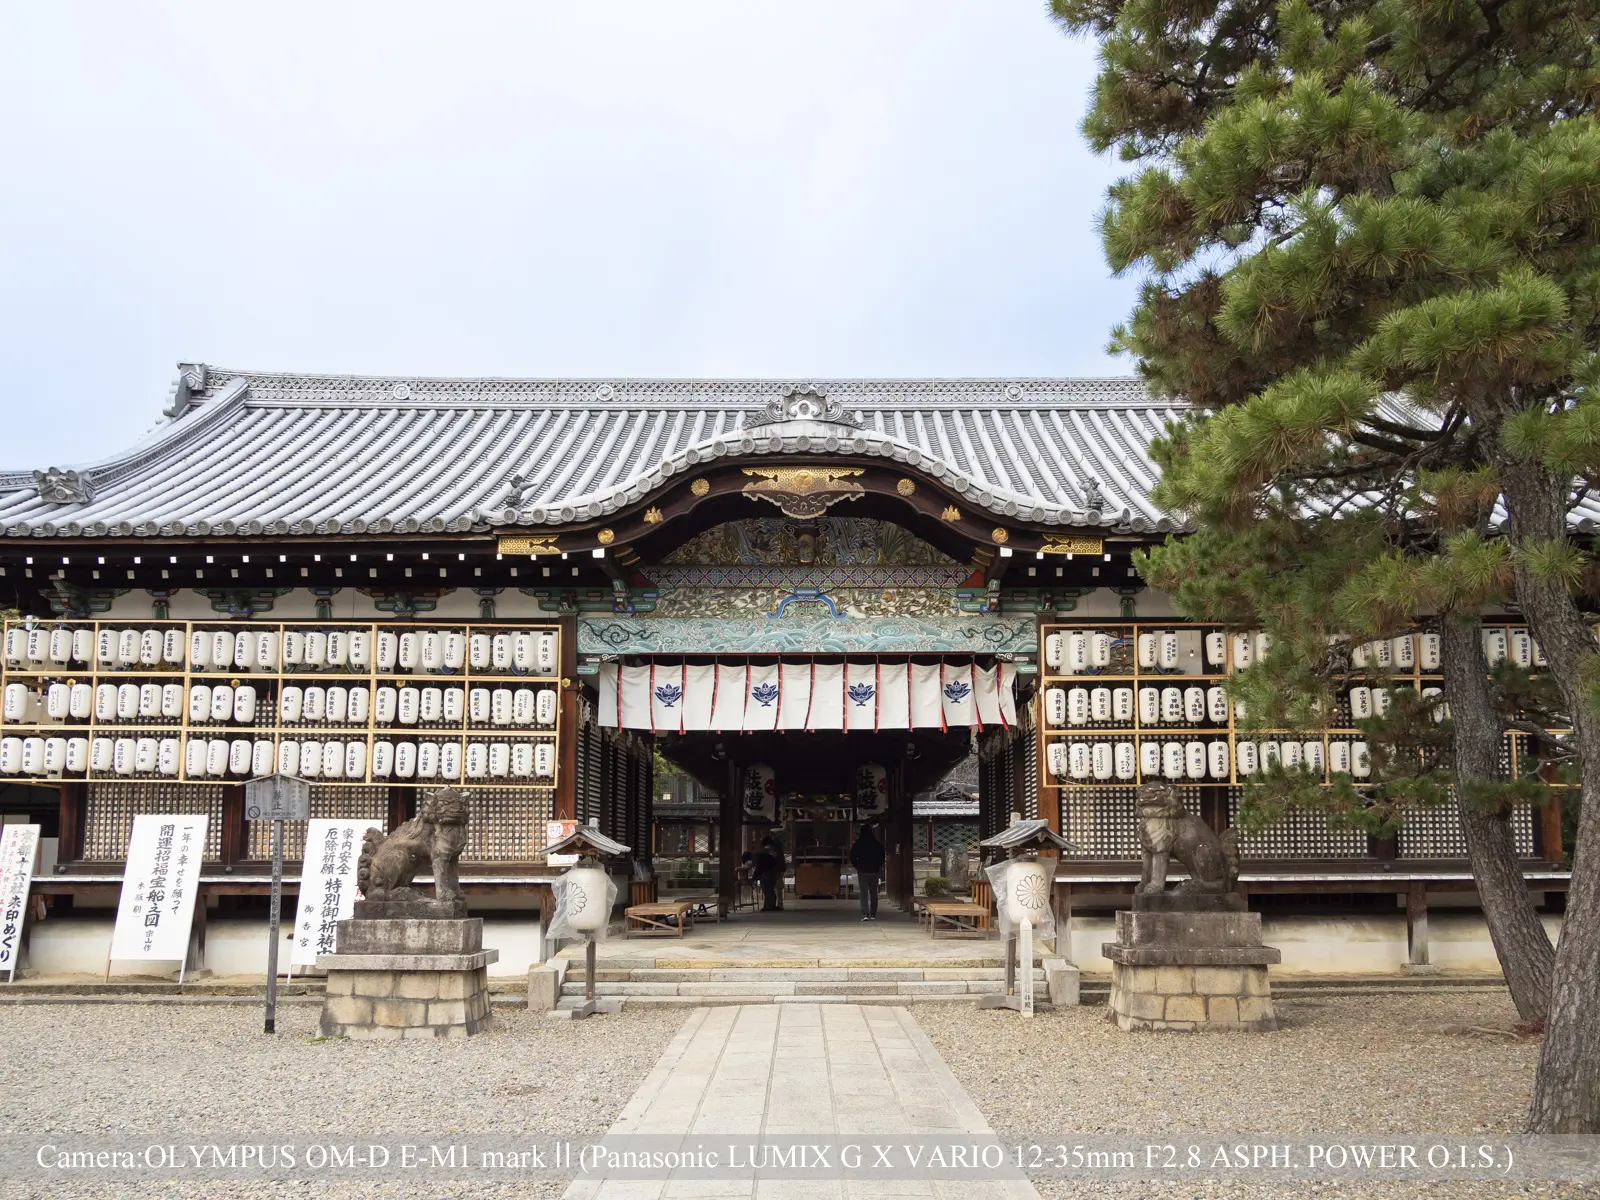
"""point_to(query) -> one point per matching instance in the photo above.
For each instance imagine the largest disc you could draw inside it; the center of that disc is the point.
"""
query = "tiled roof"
(248, 454)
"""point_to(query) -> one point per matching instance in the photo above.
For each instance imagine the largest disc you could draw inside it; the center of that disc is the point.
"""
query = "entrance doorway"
(813, 791)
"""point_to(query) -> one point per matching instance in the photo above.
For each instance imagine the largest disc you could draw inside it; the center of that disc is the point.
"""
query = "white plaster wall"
(236, 947)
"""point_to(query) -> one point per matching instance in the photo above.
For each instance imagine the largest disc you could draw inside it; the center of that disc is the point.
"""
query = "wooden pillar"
(235, 840)
(401, 806)
(72, 807)
(905, 875)
(1547, 830)
(565, 803)
(1417, 923)
(1063, 898)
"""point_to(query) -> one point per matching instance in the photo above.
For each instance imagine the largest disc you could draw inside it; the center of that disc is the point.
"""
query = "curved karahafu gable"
(242, 454)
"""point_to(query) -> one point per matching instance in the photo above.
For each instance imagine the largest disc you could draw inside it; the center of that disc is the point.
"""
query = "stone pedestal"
(407, 977)
(1174, 968)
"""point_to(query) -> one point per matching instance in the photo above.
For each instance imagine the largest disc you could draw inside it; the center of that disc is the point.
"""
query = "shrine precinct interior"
(807, 528)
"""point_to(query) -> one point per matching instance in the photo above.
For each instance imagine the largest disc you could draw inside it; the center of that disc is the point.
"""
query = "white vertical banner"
(794, 705)
(666, 698)
(956, 688)
(159, 885)
(894, 696)
(861, 696)
(606, 684)
(327, 885)
(699, 689)
(1008, 692)
(19, 846)
(986, 697)
(827, 697)
(761, 700)
(727, 706)
(927, 705)
(635, 694)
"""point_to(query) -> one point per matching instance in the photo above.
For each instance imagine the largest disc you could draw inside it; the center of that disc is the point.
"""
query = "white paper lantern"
(522, 760)
(336, 704)
(1149, 706)
(544, 760)
(1360, 703)
(1102, 760)
(55, 755)
(1429, 650)
(500, 706)
(61, 644)
(452, 706)
(1169, 650)
(57, 701)
(384, 705)
(244, 651)
(523, 654)
(289, 758)
(16, 651)
(150, 700)
(382, 759)
(222, 650)
(1263, 644)
(545, 653)
(83, 645)
(545, 707)
(105, 701)
(1149, 655)
(38, 644)
(1100, 650)
(455, 651)
(1216, 650)
(478, 651)
(1217, 759)
(333, 760)
(1194, 705)
(478, 705)
(1440, 712)
(500, 654)
(290, 704)
(217, 757)
(1171, 705)
(1360, 760)
(1194, 760)
(82, 702)
(1244, 651)
(1100, 704)
(499, 759)
(586, 891)
(1291, 754)
(244, 704)
(311, 759)
(102, 755)
(261, 757)
(1271, 755)
(294, 648)
(427, 760)
(410, 651)
(1078, 706)
(200, 704)
(127, 701)
(105, 646)
(522, 707)
(1520, 648)
(200, 650)
(477, 761)
(450, 760)
(388, 650)
(410, 706)
(1339, 757)
(1125, 760)
(432, 651)
(1217, 706)
(127, 648)
(122, 756)
(1172, 760)
(1078, 760)
(431, 704)
(240, 753)
(1403, 650)
(1055, 706)
(405, 760)
(1380, 702)
(221, 702)
(17, 702)
(360, 649)
(1122, 705)
(10, 756)
(1025, 891)
(1248, 759)
(1150, 759)
(1055, 758)
(267, 651)
(171, 701)
(78, 754)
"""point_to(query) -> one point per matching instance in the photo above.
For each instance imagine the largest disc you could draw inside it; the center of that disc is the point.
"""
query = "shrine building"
(814, 599)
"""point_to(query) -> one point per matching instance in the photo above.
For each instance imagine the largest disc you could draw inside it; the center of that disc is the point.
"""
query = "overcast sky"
(841, 187)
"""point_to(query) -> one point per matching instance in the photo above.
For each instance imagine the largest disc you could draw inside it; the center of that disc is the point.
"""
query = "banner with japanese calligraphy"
(19, 845)
(327, 885)
(159, 886)
(799, 696)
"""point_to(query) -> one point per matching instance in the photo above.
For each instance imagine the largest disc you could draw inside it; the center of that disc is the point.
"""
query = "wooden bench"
(958, 918)
(669, 918)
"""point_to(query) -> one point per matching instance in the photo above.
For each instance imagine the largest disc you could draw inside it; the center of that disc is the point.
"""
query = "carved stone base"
(1188, 902)
(420, 909)
(1189, 971)
(413, 978)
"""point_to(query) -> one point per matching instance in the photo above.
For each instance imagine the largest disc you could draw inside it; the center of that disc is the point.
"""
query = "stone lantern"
(1023, 882)
(587, 908)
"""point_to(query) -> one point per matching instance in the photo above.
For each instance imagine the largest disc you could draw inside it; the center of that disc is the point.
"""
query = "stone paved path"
(795, 1069)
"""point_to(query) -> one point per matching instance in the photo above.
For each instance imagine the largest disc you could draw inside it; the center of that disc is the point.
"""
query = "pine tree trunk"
(1566, 1090)
(1520, 942)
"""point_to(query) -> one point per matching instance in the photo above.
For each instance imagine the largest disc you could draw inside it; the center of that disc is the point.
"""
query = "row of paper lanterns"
(222, 703)
(1079, 651)
(225, 650)
(1197, 760)
(1191, 706)
(219, 758)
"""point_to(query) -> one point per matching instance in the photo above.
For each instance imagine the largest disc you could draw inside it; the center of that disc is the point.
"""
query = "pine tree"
(1371, 232)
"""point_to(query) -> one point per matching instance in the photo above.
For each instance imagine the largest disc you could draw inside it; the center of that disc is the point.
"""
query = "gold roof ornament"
(700, 486)
(652, 516)
(906, 487)
(1000, 536)
(951, 513)
(607, 536)
(803, 492)
(1074, 545)
(527, 545)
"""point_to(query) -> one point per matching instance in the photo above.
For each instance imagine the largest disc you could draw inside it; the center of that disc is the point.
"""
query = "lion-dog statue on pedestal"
(1167, 830)
(433, 838)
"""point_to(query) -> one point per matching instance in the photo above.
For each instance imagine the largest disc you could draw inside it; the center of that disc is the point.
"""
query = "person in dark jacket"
(866, 856)
(765, 869)
(772, 878)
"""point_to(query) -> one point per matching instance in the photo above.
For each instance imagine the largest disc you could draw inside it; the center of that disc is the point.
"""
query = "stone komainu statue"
(434, 838)
(1167, 830)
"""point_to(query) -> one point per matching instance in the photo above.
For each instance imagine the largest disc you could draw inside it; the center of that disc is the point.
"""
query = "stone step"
(790, 974)
(905, 987)
(569, 1002)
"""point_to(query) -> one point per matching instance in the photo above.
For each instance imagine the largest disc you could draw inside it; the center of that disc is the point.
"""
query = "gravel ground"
(88, 1070)
(1414, 1064)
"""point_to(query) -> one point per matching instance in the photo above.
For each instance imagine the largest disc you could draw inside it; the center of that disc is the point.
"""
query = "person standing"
(866, 856)
(778, 867)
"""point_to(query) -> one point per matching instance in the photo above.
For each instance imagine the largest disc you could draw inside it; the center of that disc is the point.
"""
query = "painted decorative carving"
(700, 486)
(906, 487)
(959, 634)
(803, 492)
(58, 486)
(806, 403)
(951, 513)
